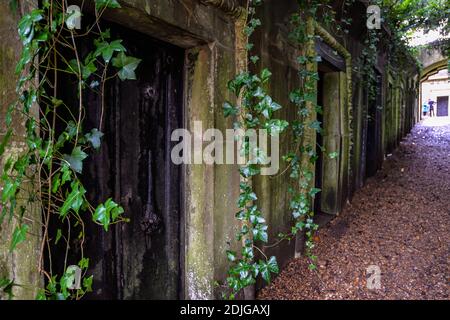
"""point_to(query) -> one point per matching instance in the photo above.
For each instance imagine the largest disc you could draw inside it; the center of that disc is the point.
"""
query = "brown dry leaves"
(400, 221)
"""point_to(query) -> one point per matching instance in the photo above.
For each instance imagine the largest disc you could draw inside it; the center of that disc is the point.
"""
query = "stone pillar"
(309, 137)
(331, 182)
(21, 265)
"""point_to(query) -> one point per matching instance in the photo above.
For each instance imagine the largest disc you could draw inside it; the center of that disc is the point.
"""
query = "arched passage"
(433, 68)
(435, 85)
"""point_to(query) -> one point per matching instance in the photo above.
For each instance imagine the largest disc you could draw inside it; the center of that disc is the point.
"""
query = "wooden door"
(327, 173)
(140, 259)
(374, 151)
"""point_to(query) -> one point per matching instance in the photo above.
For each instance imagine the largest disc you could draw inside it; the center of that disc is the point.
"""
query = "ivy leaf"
(94, 137)
(28, 98)
(265, 75)
(264, 270)
(66, 135)
(74, 200)
(116, 212)
(250, 170)
(5, 141)
(254, 59)
(7, 285)
(229, 109)
(100, 4)
(58, 180)
(26, 25)
(87, 69)
(87, 283)
(300, 225)
(106, 49)
(260, 233)
(238, 83)
(58, 236)
(333, 155)
(66, 176)
(57, 20)
(259, 93)
(8, 116)
(75, 160)
(84, 263)
(72, 66)
(310, 97)
(41, 295)
(18, 236)
(302, 59)
(314, 191)
(316, 125)
(127, 66)
(67, 281)
(25, 58)
(13, 5)
(276, 126)
(106, 34)
(9, 189)
(102, 216)
(272, 265)
(231, 255)
(106, 213)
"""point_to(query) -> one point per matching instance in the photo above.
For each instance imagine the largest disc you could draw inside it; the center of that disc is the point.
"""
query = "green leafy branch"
(255, 110)
(47, 174)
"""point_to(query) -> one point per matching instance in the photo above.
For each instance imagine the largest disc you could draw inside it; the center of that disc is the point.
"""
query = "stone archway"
(433, 68)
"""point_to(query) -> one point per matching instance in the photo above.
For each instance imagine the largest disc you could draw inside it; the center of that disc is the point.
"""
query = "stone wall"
(20, 265)
(213, 55)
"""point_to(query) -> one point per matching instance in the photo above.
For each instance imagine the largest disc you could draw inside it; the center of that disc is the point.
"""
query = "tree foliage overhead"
(419, 14)
(408, 16)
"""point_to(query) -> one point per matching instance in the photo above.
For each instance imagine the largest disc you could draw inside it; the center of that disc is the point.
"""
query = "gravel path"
(399, 221)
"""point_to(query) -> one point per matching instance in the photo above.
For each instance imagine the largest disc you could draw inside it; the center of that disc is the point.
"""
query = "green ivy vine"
(47, 172)
(368, 61)
(256, 111)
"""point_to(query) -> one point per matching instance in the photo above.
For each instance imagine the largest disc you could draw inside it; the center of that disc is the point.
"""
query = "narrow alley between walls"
(399, 222)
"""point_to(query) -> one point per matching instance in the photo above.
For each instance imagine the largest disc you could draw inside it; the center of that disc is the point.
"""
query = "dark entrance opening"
(374, 118)
(140, 259)
(327, 173)
(328, 84)
(319, 144)
(442, 107)
(390, 119)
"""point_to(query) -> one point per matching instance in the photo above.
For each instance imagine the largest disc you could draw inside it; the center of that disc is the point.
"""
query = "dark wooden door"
(139, 259)
(442, 107)
(374, 156)
(326, 169)
(319, 144)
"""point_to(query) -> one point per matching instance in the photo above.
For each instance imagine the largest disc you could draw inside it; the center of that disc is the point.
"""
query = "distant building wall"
(22, 264)
(435, 86)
